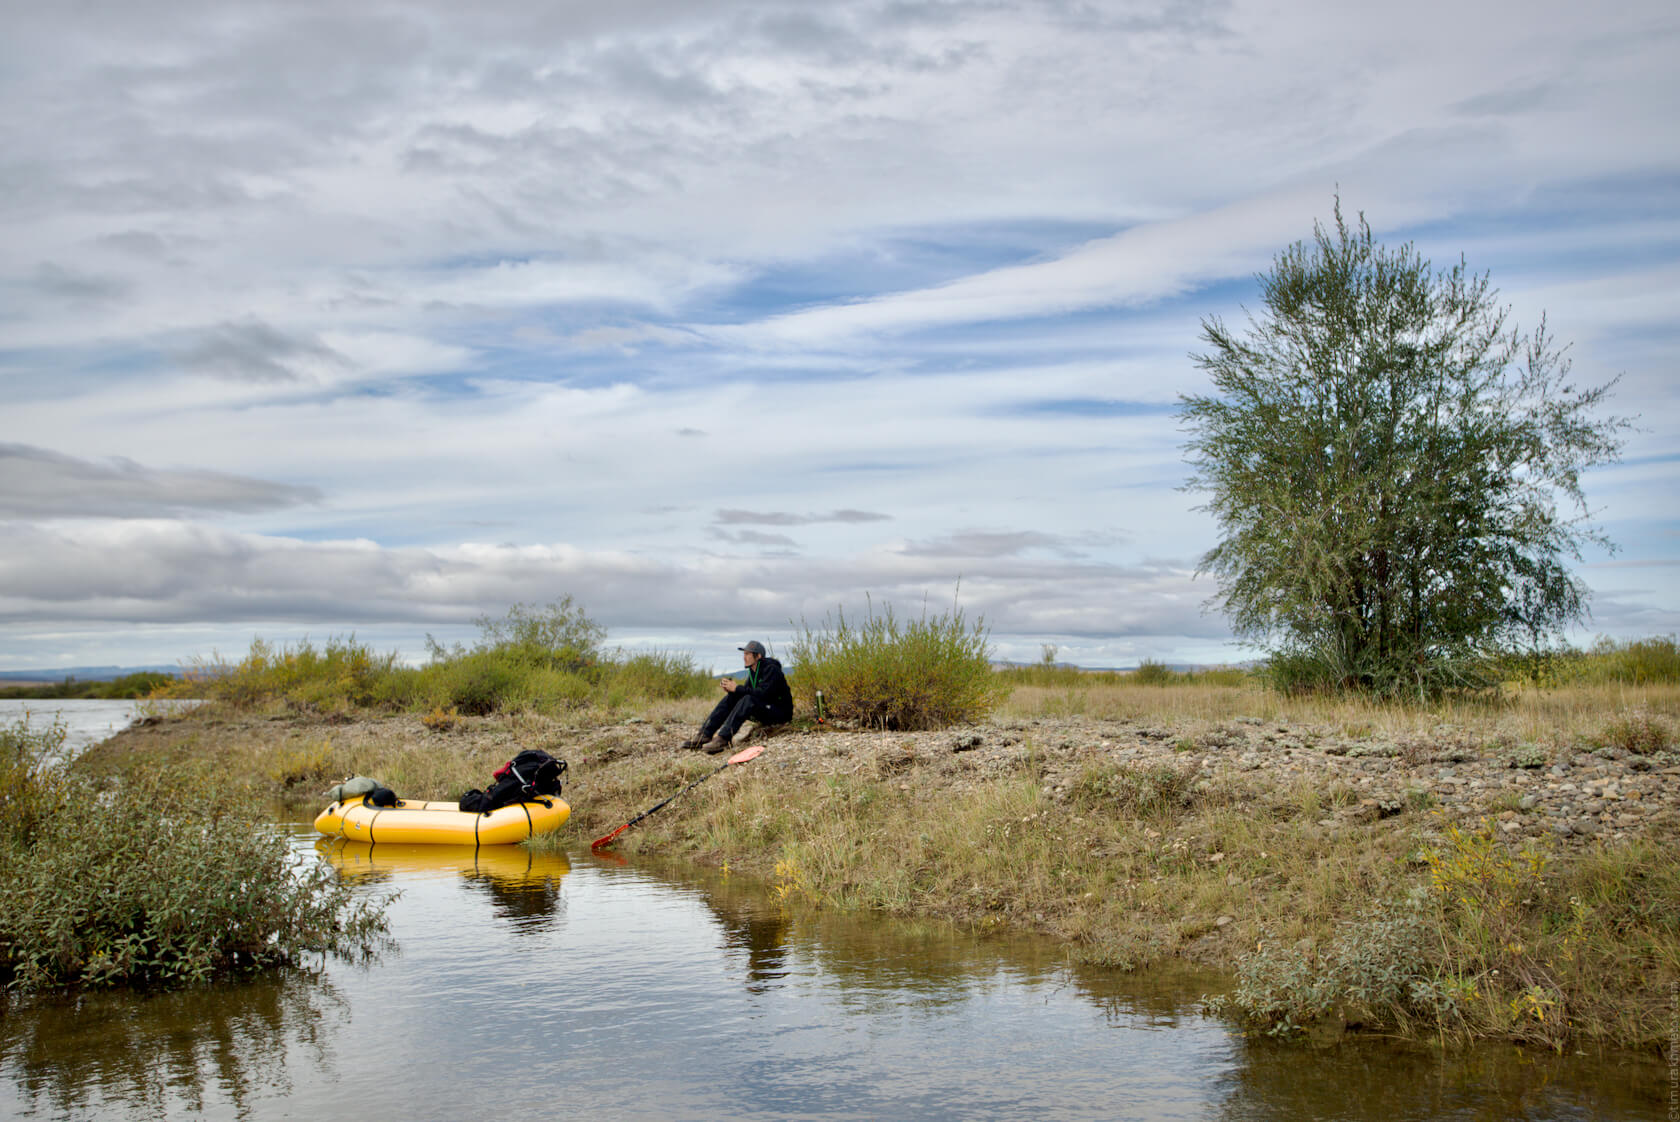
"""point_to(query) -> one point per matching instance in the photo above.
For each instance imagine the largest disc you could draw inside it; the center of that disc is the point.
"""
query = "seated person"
(763, 699)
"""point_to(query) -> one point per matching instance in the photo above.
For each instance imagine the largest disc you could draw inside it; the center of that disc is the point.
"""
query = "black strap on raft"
(529, 788)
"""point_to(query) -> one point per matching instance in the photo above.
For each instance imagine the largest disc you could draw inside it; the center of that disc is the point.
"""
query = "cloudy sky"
(320, 318)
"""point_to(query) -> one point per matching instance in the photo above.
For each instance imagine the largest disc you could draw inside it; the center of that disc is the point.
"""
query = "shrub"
(1142, 791)
(533, 659)
(342, 673)
(1636, 731)
(657, 675)
(1629, 662)
(1496, 943)
(1049, 677)
(1047, 672)
(164, 881)
(558, 637)
(1152, 673)
(930, 673)
(29, 793)
(1635, 662)
(1305, 671)
(477, 684)
(441, 719)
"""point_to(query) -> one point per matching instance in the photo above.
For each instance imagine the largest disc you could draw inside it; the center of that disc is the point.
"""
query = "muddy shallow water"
(542, 986)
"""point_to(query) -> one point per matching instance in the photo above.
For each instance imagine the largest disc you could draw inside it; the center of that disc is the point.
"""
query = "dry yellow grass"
(1522, 714)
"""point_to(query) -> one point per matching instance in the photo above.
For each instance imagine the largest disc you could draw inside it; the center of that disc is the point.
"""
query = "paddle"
(740, 757)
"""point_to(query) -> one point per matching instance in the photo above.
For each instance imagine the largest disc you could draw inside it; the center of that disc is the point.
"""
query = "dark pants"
(731, 712)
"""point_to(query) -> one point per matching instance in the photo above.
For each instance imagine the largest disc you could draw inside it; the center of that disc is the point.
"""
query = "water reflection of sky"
(85, 721)
(537, 986)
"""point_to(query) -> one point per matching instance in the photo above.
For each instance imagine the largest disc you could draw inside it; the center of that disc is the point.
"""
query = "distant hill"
(84, 673)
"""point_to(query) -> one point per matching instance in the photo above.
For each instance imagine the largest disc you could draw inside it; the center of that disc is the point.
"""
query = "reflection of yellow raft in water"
(514, 863)
(411, 822)
(521, 886)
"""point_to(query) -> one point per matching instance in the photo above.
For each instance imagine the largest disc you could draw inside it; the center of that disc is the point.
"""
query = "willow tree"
(1394, 468)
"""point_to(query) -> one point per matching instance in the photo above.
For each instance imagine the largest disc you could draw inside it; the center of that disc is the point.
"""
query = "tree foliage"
(1395, 469)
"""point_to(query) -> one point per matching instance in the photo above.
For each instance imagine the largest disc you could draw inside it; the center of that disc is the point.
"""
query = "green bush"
(1496, 943)
(1635, 731)
(28, 792)
(1305, 671)
(537, 660)
(1144, 791)
(558, 637)
(1048, 677)
(479, 683)
(1626, 662)
(930, 673)
(343, 673)
(1634, 662)
(1380, 967)
(657, 674)
(163, 881)
(1152, 673)
(542, 689)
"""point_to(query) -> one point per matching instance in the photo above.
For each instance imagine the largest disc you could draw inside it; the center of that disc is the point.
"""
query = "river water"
(86, 721)
(546, 986)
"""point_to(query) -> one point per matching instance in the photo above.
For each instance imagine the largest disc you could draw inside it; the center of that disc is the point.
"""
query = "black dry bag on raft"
(527, 777)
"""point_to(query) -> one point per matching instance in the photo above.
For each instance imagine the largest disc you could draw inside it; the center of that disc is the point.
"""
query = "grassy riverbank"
(1499, 868)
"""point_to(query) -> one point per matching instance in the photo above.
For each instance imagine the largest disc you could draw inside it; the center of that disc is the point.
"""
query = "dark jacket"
(768, 687)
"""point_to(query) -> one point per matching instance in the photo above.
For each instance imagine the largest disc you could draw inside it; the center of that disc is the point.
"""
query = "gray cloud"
(38, 483)
(148, 245)
(177, 573)
(1513, 99)
(253, 351)
(783, 518)
(77, 286)
(982, 543)
(750, 537)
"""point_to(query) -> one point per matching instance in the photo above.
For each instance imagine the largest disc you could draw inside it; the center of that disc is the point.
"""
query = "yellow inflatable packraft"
(411, 822)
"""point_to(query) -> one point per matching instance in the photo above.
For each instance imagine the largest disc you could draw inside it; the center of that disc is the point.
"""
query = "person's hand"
(729, 684)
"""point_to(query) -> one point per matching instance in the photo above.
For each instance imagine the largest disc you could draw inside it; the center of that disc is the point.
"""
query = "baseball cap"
(755, 647)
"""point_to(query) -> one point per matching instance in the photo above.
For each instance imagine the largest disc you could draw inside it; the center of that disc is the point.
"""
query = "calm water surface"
(533, 986)
(85, 721)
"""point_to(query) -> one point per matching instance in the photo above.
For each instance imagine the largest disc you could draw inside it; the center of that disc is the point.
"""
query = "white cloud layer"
(719, 314)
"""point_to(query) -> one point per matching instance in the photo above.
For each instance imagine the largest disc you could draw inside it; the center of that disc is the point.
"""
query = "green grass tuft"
(929, 673)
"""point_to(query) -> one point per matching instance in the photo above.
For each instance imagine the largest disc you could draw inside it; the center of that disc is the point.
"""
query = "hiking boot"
(715, 745)
(693, 743)
(745, 732)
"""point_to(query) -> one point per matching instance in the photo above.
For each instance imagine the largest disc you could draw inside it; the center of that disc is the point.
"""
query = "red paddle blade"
(745, 754)
(600, 842)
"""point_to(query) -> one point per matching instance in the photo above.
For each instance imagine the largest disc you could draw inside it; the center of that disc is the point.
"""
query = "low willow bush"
(929, 673)
(1152, 673)
(1620, 662)
(26, 796)
(532, 660)
(1498, 943)
(163, 881)
(343, 673)
(1633, 662)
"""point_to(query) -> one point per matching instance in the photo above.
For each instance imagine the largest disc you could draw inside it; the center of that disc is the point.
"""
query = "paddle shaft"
(739, 758)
